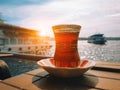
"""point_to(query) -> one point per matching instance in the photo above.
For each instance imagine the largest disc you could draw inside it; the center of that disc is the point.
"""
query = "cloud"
(91, 14)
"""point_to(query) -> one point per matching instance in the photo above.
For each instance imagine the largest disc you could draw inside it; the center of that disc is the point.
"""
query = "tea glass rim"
(66, 28)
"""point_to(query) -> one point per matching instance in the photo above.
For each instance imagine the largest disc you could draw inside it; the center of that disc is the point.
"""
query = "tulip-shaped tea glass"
(66, 52)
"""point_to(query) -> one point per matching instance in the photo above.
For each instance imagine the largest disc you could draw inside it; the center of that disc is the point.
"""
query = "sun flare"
(42, 33)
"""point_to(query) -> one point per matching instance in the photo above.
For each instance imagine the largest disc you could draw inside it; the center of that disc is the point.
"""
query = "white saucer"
(65, 72)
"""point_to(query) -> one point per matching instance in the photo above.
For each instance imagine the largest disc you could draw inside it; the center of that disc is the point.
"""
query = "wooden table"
(96, 79)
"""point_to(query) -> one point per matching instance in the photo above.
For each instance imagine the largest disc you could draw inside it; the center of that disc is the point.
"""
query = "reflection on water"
(109, 52)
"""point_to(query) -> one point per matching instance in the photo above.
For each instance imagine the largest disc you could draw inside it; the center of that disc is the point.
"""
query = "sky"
(95, 16)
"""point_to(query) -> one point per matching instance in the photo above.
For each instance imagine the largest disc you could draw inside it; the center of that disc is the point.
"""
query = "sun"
(42, 33)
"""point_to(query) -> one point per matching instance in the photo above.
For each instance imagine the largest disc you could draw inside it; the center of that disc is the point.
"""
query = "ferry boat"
(15, 39)
(97, 39)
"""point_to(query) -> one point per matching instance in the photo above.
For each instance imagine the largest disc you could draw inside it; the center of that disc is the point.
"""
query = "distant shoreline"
(107, 38)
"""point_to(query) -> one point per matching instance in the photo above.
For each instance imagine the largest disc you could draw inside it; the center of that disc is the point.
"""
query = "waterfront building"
(16, 39)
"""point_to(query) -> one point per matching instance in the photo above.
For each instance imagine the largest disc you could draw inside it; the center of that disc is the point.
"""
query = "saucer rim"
(69, 68)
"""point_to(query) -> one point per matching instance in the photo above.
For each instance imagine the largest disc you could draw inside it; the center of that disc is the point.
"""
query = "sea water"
(109, 52)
